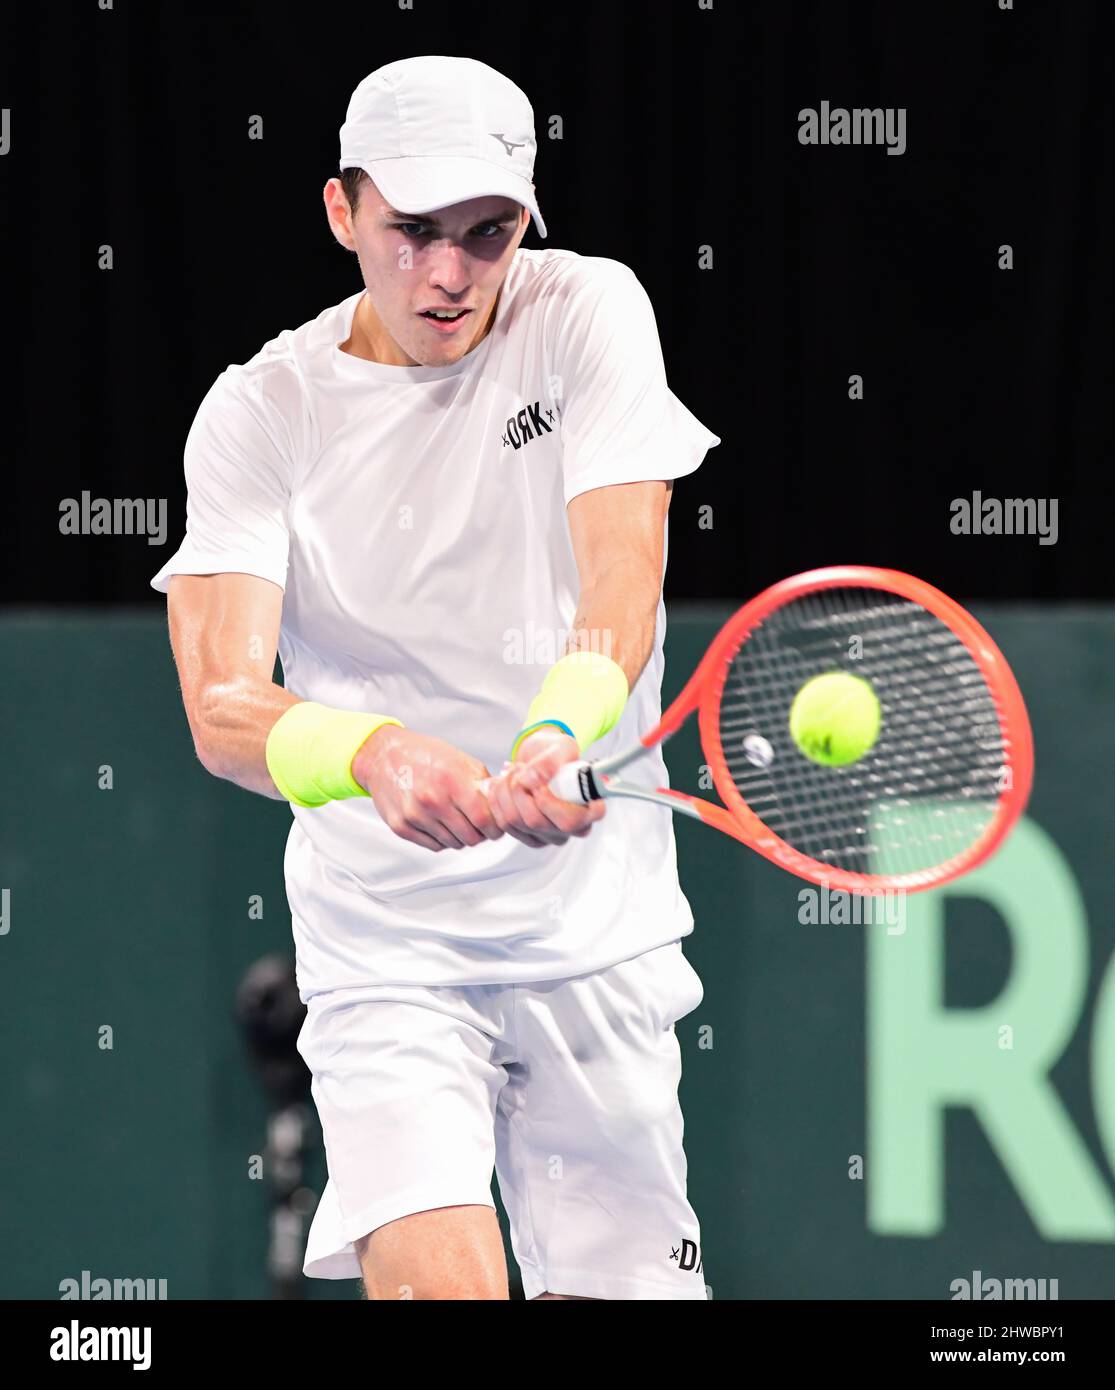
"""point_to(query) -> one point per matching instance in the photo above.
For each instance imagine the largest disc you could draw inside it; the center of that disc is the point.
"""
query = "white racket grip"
(566, 782)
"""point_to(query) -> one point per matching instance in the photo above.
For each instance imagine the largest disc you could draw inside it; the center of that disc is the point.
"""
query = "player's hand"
(522, 802)
(425, 789)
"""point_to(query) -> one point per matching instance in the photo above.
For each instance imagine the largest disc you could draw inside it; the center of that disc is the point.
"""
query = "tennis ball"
(835, 718)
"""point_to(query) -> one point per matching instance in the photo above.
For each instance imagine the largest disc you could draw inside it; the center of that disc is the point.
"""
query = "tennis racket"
(946, 779)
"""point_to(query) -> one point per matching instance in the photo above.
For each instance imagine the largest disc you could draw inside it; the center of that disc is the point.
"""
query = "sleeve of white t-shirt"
(620, 422)
(238, 477)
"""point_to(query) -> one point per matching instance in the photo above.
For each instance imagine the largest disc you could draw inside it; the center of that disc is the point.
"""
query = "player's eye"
(486, 231)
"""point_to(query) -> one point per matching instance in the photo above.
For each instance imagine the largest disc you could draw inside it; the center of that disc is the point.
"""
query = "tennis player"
(443, 503)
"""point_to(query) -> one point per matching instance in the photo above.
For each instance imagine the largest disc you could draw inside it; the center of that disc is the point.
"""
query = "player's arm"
(617, 534)
(224, 630)
(617, 542)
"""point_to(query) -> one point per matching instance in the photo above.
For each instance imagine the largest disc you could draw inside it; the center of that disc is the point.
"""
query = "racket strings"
(824, 824)
(920, 757)
(931, 783)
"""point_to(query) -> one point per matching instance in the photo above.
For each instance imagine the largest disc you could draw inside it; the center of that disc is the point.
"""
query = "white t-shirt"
(415, 518)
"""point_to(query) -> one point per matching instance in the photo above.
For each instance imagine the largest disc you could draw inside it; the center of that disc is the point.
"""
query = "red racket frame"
(704, 689)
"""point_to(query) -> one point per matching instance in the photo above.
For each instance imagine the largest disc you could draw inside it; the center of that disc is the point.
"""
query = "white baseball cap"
(433, 131)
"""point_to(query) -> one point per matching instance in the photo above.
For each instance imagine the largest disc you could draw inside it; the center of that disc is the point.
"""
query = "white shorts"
(567, 1087)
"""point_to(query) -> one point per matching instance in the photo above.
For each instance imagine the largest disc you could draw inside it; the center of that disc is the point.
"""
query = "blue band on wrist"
(542, 723)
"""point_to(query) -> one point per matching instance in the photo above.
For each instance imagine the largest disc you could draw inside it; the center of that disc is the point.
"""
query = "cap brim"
(425, 184)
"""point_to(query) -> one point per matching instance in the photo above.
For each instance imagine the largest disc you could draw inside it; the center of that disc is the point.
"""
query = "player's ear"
(339, 213)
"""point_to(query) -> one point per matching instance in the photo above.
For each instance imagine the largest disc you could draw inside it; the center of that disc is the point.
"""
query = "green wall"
(968, 1060)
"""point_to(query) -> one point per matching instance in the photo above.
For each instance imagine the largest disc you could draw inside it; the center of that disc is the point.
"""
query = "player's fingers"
(504, 812)
(567, 815)
(532, 840)
(452, 830)
(524, 837)
(499, 803)
(593, 812)
(459, 825)
(538, 771)
(406, 830)
(474, 805)
(427, 820)
(531, 817)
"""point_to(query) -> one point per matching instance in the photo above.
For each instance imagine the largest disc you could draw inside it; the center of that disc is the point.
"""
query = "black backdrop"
(129, 127)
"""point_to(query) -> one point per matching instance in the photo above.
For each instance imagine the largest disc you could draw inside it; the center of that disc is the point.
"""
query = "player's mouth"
(445, 321)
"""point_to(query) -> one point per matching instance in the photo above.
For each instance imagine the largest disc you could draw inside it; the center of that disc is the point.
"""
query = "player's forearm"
(268, 741)
(616, 615)
(231, 724)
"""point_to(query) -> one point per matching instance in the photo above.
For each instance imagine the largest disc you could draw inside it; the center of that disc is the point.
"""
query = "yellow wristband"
(585, 692)
(310, 750)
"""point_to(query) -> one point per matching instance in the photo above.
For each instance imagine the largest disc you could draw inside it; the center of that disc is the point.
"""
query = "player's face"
(453, 259)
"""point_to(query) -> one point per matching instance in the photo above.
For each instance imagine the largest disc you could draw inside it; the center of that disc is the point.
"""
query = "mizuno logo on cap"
(509, 145)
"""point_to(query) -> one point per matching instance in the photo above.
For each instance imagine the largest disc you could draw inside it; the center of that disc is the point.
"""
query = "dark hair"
(352, 180)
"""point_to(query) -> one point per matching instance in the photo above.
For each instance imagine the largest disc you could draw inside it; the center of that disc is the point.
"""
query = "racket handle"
(566, 783)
